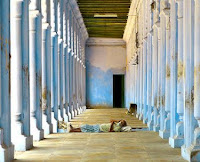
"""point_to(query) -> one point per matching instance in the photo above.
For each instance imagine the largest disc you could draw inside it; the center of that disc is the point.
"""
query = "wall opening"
(118, 91)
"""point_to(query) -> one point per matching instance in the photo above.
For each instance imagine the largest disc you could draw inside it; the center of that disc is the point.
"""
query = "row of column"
(42, 70)
(168, 76)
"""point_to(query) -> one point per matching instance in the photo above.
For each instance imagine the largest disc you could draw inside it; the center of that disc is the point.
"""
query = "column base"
(59, 114)
(73, 114)
(54, 123)
(23, 143)
(66, 118)
(37, 134)
(79, 110)
(141, 117)
(176, 142)
(48, 128)
(145, 121)
(150, 125)
(84, 108)
(156, 128)
(164, 134)
(191, 153)
(137, 116)
(7, 153)
(70, 116)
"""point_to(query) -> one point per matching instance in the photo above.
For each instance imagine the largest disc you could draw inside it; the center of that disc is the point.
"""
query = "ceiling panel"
(106, 26)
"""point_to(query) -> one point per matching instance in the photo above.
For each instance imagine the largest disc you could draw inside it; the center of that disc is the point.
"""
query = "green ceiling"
(105, 27)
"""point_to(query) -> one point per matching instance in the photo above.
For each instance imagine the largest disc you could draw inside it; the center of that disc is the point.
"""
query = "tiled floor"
(133, 146)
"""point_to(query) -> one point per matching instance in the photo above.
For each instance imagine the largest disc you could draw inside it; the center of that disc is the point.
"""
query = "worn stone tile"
(141, 146)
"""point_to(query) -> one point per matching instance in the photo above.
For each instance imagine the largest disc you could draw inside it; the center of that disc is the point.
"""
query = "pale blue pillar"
(46, 68)
(65, 53)
(54, 65)
(194, 153)
(70, 66)
(145, 81)
(138, 84)
(155, 75)
(173, 70)
(188, 55)
(6, 146)
(141, 83)
(149, 82)
(166, 131)
(20, 98)
(164, 73)
(60, 60)
(156, 58)
(178, 139)
(35, 30)
(73, 67)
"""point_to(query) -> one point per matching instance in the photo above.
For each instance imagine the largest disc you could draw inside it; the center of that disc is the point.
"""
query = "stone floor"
(132, 146)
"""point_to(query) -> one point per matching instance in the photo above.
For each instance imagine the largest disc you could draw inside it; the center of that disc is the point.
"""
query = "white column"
(54, 66)
(178, 139)
(195, 151)
(35, 30)
(6, 146)
(46, 68)
(20, 101)
(60, 60)
(65, 53)
(141, 83)
(166, 131)
(173, 71)
(188, 55)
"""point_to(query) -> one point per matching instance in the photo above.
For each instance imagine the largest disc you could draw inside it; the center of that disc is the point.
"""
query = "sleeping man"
(113, 126)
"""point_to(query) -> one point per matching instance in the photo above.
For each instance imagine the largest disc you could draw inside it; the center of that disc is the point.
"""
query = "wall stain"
(163, 100)
(180, 69)
(44, 93)
(167, 71)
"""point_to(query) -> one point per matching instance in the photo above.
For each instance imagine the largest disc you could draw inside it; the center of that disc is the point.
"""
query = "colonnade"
(42, 70)
(167, 87)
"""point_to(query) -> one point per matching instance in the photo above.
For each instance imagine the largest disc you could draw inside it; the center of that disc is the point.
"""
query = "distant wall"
(104, 57)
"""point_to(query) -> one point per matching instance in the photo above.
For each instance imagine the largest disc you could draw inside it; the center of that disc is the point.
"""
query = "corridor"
(124, 146)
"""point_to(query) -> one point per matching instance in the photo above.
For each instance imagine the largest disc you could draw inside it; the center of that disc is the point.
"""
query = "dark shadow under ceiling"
(110, 20)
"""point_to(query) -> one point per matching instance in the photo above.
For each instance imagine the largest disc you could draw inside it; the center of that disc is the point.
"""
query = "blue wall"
(104, 58)
(99, 87)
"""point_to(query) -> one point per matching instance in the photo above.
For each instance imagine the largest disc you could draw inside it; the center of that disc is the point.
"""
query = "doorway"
(118, 91)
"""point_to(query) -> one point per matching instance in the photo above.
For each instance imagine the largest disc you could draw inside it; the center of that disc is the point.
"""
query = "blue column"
(46, 68)
(173, 71)
(141, 83)
(178, 139)
(166, 131)
(149, 83)
(155, 76)
(54, 66)
(7, 148)
(188, 55)
(65, 53)
(35, 30)
(138, 84)
(145, 81)
(162, 69)
(60, 60)
(194, 151)
(20, 99)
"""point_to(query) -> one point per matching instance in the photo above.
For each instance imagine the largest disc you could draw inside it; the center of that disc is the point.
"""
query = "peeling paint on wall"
(101, 63)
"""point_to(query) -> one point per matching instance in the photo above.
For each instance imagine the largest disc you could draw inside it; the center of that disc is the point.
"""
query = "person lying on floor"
(113, 126)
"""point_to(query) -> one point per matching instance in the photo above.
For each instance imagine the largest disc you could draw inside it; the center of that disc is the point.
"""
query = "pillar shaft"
(188, 56)
(6, 146)
(20, 102)
(35, 29)
(54, 66)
